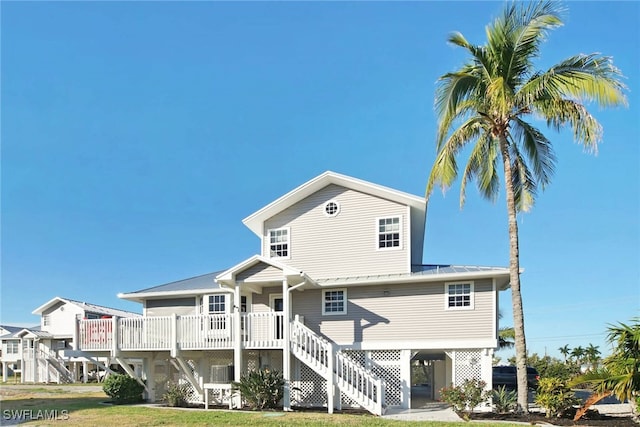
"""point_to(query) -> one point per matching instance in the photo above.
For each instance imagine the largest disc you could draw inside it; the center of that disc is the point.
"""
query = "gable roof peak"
(255, 221)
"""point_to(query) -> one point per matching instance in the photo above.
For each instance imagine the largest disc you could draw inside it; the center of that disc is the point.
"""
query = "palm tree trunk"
(514, 275)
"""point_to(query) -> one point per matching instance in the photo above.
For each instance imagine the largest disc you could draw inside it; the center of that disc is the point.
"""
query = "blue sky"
(137, 135)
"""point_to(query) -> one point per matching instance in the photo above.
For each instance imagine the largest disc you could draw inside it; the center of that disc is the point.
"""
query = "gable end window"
(279, 243)
(459, 296)
(334, 301)
(389, 232)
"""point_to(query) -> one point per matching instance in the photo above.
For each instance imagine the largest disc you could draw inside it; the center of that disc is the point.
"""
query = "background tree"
(564, 350)
(577, 354)
(620, 374)
(486, 104)
(592, 354)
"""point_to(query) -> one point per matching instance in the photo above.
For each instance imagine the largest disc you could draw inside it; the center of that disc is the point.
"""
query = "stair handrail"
(359, 383)
(52, 355)
(352, 378)
(310, 345)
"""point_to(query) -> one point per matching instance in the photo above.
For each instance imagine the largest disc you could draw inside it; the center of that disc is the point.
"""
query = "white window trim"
(471, 295)
(335, 313)
(205, 303)
(377, 242)
(268, 247)
(324, 208)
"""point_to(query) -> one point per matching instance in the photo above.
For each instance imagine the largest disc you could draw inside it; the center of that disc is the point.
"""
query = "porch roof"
(427, 273)
(203, 284)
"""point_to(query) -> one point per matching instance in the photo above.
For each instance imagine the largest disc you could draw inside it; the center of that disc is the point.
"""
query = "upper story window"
(279, 243)
(389, 232)
(46, 320)
(334, 301)
(331, 208)
(459, 295)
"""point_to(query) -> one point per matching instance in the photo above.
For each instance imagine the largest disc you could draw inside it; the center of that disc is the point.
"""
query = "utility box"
(221, 374)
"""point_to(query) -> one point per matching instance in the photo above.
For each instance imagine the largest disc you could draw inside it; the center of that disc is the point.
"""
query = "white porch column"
(4, 371)
(405, 377)
(286, 350)
(237, 341)
(148, 368)
(114, 337)
(85, 370)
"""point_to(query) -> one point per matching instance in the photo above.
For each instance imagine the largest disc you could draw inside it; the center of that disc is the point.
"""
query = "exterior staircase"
(351, 378)
(55, 362)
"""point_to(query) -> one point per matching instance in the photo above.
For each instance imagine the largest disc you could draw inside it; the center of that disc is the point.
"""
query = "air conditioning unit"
(221, 374)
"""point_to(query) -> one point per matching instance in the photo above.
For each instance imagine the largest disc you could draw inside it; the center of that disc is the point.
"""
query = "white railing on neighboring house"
(352, 379)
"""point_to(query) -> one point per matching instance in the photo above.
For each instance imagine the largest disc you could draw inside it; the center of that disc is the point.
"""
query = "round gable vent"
(331, 208)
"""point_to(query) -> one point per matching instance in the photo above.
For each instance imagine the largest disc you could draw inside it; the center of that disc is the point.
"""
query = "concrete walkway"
(435, 411)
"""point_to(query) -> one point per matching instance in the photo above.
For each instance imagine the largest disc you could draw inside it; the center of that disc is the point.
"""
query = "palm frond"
(482, 166)
(524, 185)
(445, 167)
(561, 112)
(538, 149)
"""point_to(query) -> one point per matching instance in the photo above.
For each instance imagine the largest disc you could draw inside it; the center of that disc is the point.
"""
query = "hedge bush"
(123, 389)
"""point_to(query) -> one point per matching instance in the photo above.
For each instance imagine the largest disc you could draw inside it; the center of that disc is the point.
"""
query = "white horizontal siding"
(167, 307)
(408, 312)
(260, 272)
(344, 245)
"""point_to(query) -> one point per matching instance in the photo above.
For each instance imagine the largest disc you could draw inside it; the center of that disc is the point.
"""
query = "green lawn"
(80, 406)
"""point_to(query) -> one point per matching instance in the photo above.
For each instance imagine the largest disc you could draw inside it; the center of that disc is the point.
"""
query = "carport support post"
(405, 375)
(148, 368)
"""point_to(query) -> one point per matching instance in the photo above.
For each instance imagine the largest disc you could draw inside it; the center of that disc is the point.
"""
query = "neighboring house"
(39, 352)
(337, 299)
(10, 351)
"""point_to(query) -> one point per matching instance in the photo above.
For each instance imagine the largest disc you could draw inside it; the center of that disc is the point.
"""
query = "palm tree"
(564, 350)
(578, 353)
(620, 374)
(506, 335)
(593, 355)
(487, 103)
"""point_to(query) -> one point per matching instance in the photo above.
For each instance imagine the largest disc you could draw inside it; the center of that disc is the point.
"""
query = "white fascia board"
(48, 304)
(141, 296)
(255, 221)
(442, 345)
(228, 277)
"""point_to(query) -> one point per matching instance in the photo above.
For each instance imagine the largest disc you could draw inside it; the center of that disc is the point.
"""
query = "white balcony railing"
(189, 332)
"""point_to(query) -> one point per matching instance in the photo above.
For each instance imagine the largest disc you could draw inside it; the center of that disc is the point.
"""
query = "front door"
(277, 305)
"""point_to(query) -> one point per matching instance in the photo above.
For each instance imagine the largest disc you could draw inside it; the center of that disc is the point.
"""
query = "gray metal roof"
(205, 281)
(11, 330)
(99, 309)
(426, 271)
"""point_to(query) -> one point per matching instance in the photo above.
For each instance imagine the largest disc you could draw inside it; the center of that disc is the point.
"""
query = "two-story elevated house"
(337, 299)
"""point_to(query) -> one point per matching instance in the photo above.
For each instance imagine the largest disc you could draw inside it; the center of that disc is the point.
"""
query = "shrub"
(554, 396)
(504, 400)
(123, 389)
(176, 394)
(465, 397)
(261, 389)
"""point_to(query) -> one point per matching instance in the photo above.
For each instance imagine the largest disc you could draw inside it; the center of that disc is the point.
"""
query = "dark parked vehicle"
(506, 376)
